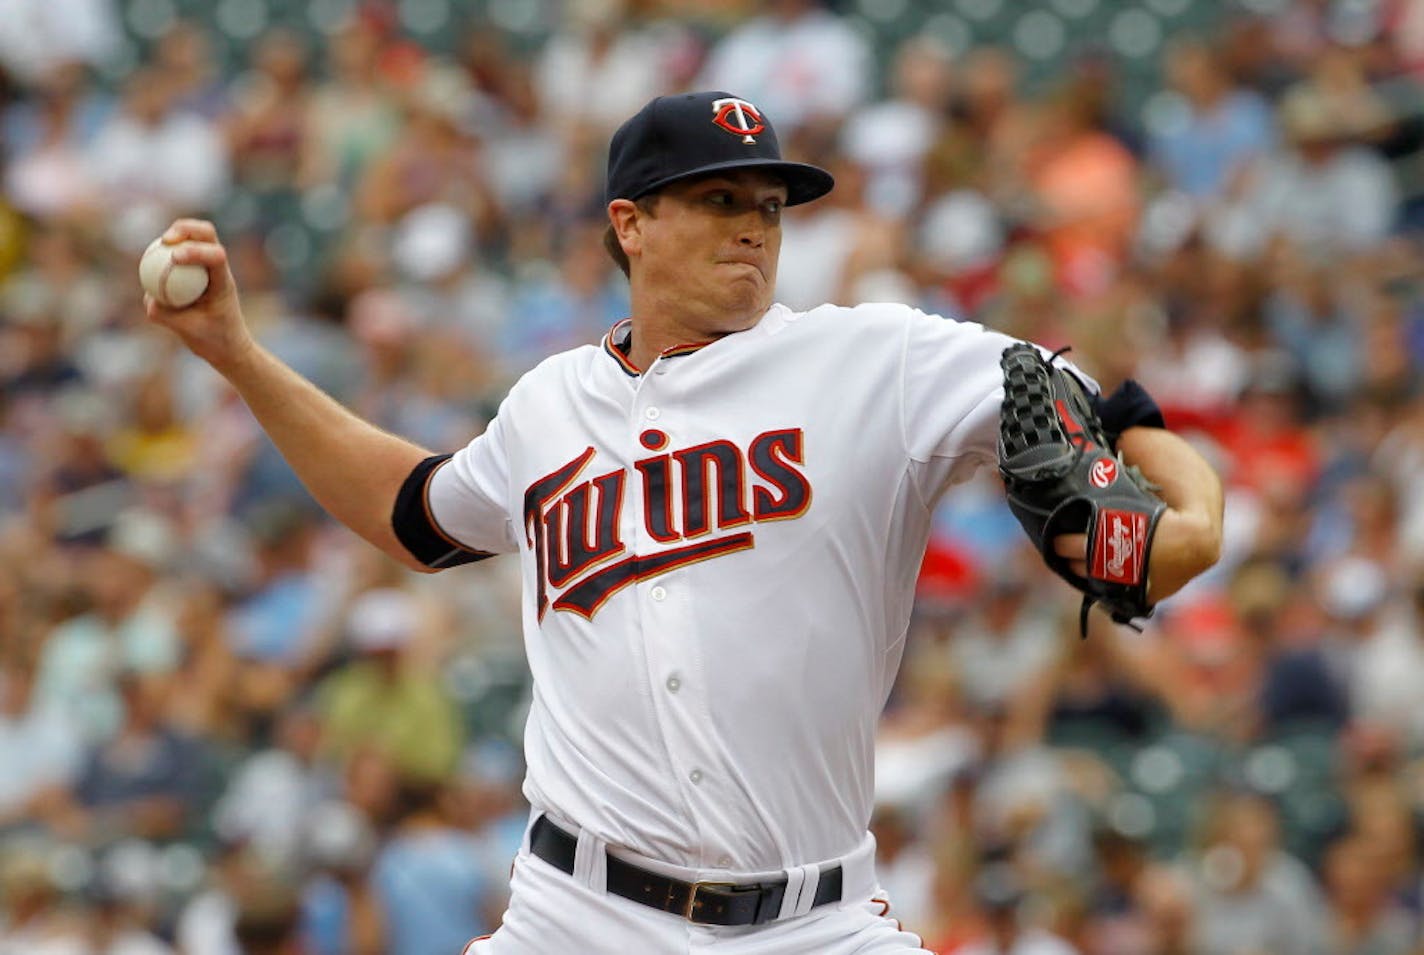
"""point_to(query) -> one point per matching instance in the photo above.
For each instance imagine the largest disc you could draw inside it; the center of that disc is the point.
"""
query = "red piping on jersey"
(628, 367)
(626, 363)
(687, 349)
(899, 926)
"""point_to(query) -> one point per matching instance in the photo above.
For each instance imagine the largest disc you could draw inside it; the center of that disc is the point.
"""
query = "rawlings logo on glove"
(1103, 472)
(1061, 478)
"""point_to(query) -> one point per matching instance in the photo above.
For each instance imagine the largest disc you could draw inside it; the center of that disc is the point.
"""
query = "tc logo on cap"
(738, 117)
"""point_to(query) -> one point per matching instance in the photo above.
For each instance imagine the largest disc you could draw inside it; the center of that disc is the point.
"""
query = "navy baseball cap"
(695, 134)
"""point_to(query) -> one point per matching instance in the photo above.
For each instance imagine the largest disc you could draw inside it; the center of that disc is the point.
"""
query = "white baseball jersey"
(719, 558)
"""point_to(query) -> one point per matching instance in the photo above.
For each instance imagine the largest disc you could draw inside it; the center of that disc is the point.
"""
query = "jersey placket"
(664, 609)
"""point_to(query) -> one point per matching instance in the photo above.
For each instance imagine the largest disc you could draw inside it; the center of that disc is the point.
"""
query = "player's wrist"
(1186, 544)
(239, 358)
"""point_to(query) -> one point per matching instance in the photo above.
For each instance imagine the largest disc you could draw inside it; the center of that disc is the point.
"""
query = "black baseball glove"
(1062, 477)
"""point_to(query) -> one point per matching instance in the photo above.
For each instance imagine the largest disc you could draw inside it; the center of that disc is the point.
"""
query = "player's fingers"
(161, 314)
(1071, 546)
(210, 255)
(199, 229)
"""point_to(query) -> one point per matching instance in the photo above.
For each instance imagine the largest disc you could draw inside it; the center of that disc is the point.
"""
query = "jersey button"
(658, 593)
(695, 776)
(652, 414)
(725, 862)
(673, 684)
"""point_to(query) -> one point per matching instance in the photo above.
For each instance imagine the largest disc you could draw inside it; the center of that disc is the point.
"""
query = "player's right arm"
(352, 468)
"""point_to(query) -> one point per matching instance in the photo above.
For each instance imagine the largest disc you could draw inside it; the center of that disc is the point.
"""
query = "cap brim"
(804, 182)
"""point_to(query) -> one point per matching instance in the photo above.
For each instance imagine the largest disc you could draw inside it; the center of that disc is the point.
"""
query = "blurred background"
(227, 726)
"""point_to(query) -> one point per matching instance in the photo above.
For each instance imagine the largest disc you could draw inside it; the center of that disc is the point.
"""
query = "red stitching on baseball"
(163, 281)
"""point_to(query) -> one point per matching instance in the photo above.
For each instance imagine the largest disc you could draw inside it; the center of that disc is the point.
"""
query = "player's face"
(710, 249)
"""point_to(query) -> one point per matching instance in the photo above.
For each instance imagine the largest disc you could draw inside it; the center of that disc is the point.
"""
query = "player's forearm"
(1188, 537)
(352, 468)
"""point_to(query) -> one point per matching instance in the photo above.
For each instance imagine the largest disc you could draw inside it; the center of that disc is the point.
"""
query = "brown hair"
(612, 246)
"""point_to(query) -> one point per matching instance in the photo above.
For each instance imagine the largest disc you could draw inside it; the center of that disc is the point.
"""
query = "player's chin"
(743, 317)
(743, 303)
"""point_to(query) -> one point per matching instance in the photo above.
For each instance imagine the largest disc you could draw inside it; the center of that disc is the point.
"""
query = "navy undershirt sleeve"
(1130, 406)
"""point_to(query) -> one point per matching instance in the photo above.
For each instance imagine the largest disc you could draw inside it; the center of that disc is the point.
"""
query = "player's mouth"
(745, 262)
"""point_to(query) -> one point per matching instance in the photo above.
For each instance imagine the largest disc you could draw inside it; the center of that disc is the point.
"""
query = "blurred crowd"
(228, 726)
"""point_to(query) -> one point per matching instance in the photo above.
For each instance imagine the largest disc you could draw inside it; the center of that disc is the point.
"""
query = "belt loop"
(591, 862)
(794, 878)
(534, 815)
(806, 878)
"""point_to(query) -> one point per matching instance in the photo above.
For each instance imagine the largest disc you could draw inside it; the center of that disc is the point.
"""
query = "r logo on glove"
(1103, 472)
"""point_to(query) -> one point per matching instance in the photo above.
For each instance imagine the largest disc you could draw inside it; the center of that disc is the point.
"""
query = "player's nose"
(752, 232)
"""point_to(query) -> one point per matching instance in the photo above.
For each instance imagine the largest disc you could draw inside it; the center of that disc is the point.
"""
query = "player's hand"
(1074, 549)
(212, 327)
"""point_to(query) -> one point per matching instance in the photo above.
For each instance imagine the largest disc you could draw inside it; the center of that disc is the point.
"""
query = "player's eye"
(772, 207)
(720, 198)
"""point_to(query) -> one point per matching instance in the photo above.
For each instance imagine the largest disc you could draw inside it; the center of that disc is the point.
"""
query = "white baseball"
(170, 283)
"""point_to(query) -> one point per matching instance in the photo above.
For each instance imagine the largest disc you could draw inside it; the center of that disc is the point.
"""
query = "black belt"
(704, 903)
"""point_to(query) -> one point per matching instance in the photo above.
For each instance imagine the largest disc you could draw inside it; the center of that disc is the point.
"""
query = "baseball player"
(719, 512)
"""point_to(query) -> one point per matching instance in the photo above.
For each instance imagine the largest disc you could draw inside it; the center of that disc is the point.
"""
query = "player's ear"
(626, 219)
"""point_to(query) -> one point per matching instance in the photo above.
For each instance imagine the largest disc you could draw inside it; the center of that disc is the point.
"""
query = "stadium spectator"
(430, 878)
(1224, 132)
(1251, 894)
(276, 793)
(46, 173)
(266, 127)
(382, 699)
(147, 780)
(800, 62)
(891, 138)
(352, 115)
(1327, 193)
(1363, 915)
(597, 48)
(341, 913)
(40, 749)
(155, 158)
(131, 628)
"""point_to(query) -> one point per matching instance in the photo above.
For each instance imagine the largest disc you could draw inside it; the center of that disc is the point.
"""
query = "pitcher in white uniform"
(720, 513)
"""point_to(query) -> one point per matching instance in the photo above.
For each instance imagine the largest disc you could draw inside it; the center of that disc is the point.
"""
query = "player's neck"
(656, 330)
(648, 341)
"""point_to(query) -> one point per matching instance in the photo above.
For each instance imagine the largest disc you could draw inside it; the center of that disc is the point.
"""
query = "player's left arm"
(948, 369)
(1188, 538)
